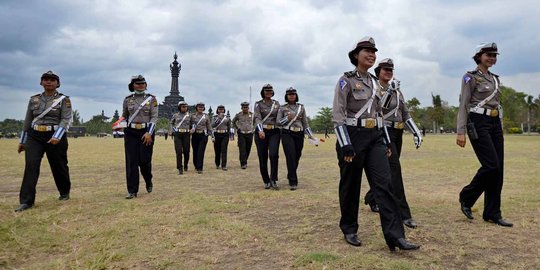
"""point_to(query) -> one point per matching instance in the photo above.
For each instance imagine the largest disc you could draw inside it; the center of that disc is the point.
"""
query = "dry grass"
(226, 220)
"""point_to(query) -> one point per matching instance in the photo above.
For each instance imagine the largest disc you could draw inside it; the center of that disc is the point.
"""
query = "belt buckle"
(494, 112)
(400, 125)
(41, 128)
(138, 126)
(370, 123)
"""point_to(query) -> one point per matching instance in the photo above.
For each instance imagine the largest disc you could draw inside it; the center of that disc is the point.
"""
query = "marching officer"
(480, 116)
(293, 120)
(362, 145)
(396, 116)
(222, 126)
(141, 111)
(48, 117)
(243, 124)
(268, 136)
(200, 129)
(180, 125)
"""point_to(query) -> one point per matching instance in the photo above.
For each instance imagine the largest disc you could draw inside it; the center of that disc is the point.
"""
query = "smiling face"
(49, 84)
(366, 58)
(139, 86)
(488, 59)
(386, 74)
(268, 94)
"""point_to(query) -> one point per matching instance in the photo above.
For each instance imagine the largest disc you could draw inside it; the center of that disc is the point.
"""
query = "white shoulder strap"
(179, 124)
(58, 100)
(486, 100)
(270, 112)
(368, 104)
(295, 117)
(138, 109)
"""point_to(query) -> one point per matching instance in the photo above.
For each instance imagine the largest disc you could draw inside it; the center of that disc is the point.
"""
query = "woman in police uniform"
(200, 129)
(396, 117)
(243, 124)
(361, 146)
(293, 120)
(267, 136)
(140, 109)
(480, 117)
(48, 117)
(222, 126)
(180, 125)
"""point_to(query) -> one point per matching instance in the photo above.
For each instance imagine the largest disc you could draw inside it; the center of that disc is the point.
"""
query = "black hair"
(477, 58)
(295, 93)
(377, 71)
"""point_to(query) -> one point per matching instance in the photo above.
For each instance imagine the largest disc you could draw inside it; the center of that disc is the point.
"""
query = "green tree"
(531, 106)
(76, 118)
(514, 107)
(413, 105)
(322, 121)
(9, 126)
(97, 125)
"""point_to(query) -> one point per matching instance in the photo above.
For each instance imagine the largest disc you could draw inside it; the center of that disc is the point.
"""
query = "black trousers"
(198, 143)
(138, 156)
(36, 145)
(181, 147)
(371, 157)
(489, 149)
(221, 144)
(293, 143)
(244, 146)
(396, 137)
(268, 147)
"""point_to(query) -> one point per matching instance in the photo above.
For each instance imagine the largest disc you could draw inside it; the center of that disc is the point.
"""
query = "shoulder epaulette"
(60, 94)
(473, 72)
(373, 76)
(36, 95)
(349, 74)
(494, 74)
(298, 103)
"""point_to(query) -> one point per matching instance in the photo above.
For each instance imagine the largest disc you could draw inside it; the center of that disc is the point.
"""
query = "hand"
(147, 139)
(290, 116)
(348, 153)
(388, 152)
(417, 141)
(261, 135)
(460, 140)
(54, 141)
(213, 139)
(20, 148)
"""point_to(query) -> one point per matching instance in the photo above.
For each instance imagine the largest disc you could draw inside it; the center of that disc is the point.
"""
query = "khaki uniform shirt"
(352, 92)
(299, 123)
(221, 122)
(147, 114)
(179, 117)
(60, 115)
(475, 87)
(401, 114)
(203, 126)
(243, 122)
(262, 109)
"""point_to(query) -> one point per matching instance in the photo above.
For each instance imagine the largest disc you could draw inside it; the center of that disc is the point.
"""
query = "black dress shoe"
(374, 207)
(185, 168)
(500, 222)
(64, 197)
(402, 244)
(294, 187)
(352, 239)
(224, 168)
(466, 210)
(243, 167)
(180, 171)
(274, 185)
(218, 167)
(131, 196)
(149, 189)
(410, 223)
(23, 207)
(267, 185)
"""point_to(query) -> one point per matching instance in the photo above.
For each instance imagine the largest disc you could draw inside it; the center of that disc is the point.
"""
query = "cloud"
(226, 47)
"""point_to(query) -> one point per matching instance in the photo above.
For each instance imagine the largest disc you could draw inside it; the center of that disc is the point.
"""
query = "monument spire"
(175, 72)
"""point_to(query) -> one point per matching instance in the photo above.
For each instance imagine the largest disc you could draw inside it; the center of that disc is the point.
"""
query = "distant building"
(170, 104)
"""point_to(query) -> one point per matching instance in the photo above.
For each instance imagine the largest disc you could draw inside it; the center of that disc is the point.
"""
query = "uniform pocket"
(359, 94)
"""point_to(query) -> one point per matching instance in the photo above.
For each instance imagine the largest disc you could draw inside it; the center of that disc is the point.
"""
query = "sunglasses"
(388, 70)
(290, 94)
(139, 83)
(491, 54)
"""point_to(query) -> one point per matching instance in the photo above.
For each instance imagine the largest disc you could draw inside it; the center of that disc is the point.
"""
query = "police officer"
(140, 109)
(221, 125)
(48, 117)
(293, 120)
(361, 146)
(200, 129)
(268, 136)
(180, 125)
(243, 124)
(396, 116)
(480, 117)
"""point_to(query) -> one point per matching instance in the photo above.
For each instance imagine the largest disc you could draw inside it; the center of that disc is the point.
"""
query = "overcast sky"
(226, 47)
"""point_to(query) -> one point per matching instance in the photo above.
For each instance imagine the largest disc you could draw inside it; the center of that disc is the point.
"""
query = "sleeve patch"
(466, 78)
(342, 83)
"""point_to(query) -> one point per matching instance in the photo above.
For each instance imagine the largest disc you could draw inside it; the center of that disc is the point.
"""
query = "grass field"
(226, 220)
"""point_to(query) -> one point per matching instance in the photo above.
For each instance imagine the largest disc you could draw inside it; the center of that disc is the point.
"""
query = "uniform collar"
(54, 95)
